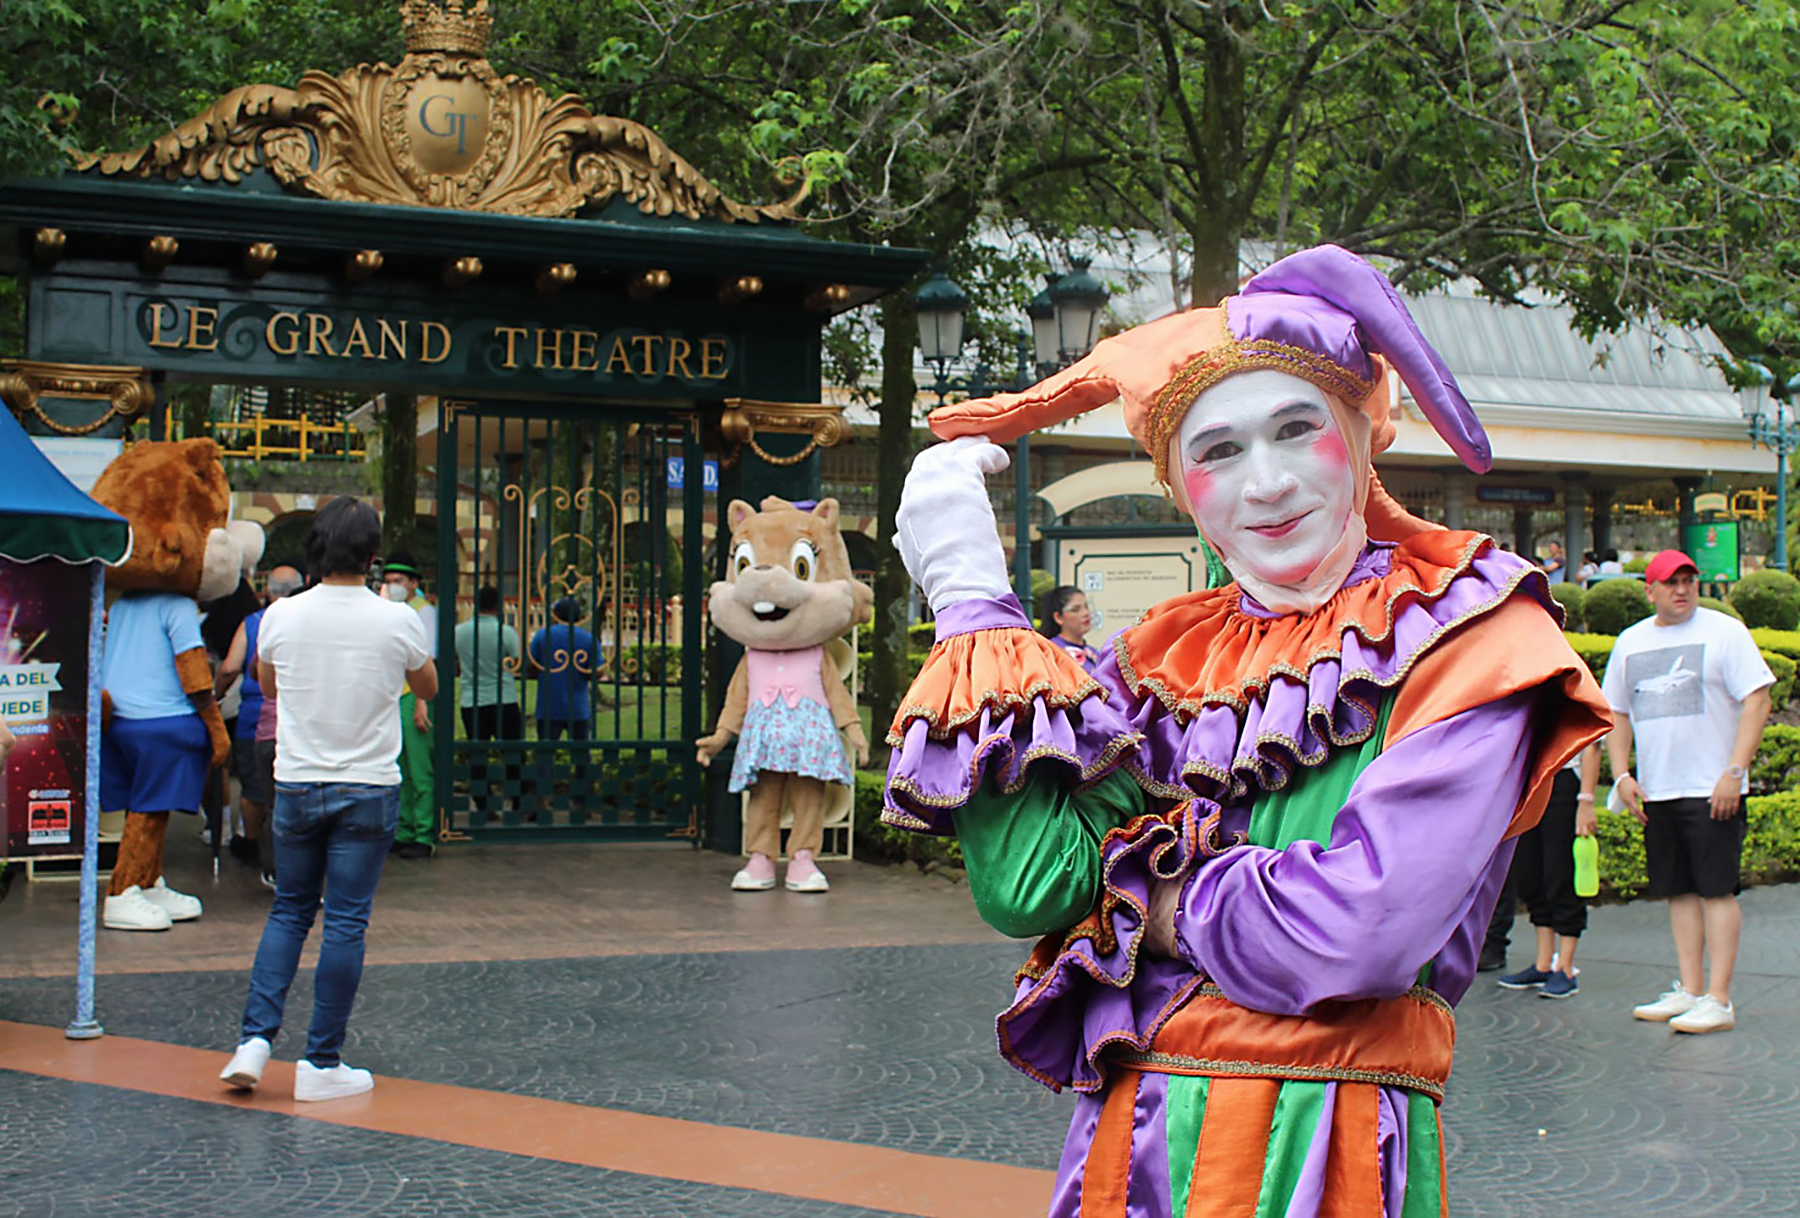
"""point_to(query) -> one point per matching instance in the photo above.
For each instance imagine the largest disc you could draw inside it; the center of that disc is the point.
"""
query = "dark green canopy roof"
(44, 515)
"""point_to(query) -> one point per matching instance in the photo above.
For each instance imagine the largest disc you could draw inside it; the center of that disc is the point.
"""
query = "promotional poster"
(43, 698)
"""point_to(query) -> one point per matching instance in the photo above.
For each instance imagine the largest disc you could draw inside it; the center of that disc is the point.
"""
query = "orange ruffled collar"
(1204, 648)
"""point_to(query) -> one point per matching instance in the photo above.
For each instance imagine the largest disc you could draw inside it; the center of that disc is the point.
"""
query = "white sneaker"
(1707, 1015)
(747, 881)
(246, 1066)
(178, 905)
(1672, 1003)
(312, 1084)
(130, 910)
(814, 881)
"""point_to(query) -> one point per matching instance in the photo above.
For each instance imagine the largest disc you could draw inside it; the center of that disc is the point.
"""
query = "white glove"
(945, 528)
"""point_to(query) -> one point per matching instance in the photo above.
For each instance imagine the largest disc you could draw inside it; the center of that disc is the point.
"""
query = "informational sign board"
(79, 458)
(43, 698)
(1714, 545)
(1124, 576)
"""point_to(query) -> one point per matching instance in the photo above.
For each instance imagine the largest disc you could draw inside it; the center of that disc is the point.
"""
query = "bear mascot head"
(183, 539)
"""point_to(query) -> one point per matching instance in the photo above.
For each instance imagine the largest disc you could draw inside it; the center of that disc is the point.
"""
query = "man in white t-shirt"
(337, 657)
(1691, 688)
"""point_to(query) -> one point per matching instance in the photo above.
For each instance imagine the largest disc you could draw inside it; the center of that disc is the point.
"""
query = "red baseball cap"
(1667, 563)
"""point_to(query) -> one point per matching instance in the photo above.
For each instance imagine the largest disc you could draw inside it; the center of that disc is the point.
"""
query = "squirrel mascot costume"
(162, 729)
(787, 593)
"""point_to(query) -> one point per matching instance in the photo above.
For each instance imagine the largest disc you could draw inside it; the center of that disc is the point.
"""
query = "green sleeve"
(1033, 857)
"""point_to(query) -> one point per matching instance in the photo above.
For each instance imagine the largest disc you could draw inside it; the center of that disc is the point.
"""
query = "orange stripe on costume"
(1107, 1173)
(1234, 1143)
(1353, 1161)
(998, 670)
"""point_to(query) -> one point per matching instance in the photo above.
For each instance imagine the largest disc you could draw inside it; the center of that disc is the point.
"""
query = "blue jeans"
(331, 837)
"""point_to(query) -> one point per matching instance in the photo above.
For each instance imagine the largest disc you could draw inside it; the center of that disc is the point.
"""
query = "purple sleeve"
(1281, 930)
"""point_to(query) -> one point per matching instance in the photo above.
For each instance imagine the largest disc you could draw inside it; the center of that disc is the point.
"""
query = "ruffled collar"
(1220, 647)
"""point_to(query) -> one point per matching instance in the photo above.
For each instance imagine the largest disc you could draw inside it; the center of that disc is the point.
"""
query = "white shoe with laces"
(245, 1069)
(1707, 1015)
(312, 1084)
(130, 910)
(178, 905)
(1673, 1002)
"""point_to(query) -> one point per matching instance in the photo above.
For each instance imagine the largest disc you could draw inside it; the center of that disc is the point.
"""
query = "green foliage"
(1771, 846)
(1777, 764)
(1593, 650)
(1713, 602)
(1768, 598)
(1572, 598)
(1638, 565)
(921, 635)
(915, 660)
(876, 842)
(652, 663)
(1781, 642)
(1596, 649)
(1783, 668)
(1615, 604)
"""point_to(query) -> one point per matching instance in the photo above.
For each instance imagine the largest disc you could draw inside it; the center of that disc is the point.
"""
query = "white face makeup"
(1267, 473)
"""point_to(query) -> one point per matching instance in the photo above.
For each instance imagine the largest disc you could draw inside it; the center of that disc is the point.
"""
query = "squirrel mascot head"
(183, 539)
(787, 583)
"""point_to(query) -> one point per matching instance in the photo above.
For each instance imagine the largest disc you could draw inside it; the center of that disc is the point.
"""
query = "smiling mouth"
(768, 611)
(1280, 530)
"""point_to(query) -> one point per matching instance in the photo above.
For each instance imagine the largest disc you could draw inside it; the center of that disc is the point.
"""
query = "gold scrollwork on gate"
(589, 581)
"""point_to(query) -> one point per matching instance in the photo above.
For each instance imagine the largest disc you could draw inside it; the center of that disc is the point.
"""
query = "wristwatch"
(1736, 771)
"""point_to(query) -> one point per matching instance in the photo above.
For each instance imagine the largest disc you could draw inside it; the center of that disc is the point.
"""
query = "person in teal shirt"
(489, 698)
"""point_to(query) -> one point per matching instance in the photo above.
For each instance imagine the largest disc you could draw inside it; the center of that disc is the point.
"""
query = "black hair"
(225, 615)
(401, 562)
(566, 610)
(1589, 556)
(345, 537)
(1612, 555)
(487, 600)
(1055, 601)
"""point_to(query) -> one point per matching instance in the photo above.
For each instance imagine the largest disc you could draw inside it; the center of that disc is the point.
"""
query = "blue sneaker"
(1528, 978)
(1559, 985)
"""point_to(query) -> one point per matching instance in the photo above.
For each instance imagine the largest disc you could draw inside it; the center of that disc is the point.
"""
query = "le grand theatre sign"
(566, 344)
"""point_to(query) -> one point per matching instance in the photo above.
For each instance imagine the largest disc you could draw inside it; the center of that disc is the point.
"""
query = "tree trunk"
(1215, 263)
(400, 474)
(893, 456)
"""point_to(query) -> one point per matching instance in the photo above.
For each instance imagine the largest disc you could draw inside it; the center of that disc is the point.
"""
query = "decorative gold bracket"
(126, 391)
(743, 418)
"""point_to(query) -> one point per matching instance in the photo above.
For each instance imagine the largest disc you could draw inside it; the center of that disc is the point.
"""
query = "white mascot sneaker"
(178, 905)
(245, 1069)
(131, 910)
(313, 1084)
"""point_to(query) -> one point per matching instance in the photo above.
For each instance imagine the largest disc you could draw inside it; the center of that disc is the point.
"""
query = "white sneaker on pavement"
(1707, 1015)
(178, 905)
(246, 1066)
(130, 910)
(1673, 1002)
(312, 1084)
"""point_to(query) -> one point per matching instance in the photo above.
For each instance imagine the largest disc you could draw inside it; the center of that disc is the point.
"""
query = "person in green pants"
(414, 839)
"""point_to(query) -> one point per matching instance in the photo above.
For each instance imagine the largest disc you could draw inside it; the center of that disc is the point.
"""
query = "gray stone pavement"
(889, 1046)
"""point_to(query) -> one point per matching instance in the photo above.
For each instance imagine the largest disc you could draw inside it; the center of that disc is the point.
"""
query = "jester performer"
(1262, 840)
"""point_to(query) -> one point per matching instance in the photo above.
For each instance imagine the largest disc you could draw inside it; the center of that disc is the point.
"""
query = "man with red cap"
(1690, 687)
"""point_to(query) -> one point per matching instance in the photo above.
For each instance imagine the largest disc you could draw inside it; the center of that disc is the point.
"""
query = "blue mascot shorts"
(154, 765)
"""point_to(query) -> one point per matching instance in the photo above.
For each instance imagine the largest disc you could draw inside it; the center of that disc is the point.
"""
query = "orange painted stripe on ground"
(811, 1168)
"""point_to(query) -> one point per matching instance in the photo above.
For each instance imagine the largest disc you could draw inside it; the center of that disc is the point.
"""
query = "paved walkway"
(607, 1030)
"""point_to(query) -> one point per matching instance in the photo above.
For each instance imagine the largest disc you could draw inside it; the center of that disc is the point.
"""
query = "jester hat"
(1322, 314)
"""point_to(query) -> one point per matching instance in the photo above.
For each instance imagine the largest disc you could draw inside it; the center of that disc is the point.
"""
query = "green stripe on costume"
(1298, 1109)
(1304, 810)
(1424, 1161)
(1185, 1109)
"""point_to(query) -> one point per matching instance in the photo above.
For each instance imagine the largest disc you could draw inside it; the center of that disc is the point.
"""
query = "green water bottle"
(1587, 866)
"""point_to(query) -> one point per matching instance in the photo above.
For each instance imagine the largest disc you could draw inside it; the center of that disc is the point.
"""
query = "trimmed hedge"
(1781, 642)
(877, 843)
(1572, 597)
(1771, 848)
(1768, 598)
(1611, 606)
(1713, 602)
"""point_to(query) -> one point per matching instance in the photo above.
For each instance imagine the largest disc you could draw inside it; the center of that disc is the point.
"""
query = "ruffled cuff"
(1092, 987)
(994, 692)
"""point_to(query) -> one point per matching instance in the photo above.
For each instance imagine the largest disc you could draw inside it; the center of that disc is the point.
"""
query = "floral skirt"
(799, 739)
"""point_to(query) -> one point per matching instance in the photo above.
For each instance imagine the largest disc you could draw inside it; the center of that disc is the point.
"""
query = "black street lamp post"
(1778, 436)
(1064, 321)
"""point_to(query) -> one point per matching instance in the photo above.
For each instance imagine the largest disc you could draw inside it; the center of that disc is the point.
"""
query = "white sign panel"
(1124, 576)
(79, 458)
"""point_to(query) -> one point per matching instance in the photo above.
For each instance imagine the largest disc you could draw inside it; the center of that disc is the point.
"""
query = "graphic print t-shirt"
(1683, 687)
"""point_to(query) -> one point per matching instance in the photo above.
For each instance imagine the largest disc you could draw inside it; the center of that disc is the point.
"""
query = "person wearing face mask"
(1066, 622)
(418, 795)
(1260, 842)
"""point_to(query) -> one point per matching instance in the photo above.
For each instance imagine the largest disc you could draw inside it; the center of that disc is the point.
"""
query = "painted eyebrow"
(1288, 411)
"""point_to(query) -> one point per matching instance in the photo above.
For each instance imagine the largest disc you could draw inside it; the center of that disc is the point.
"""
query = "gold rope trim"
(1148, 1062)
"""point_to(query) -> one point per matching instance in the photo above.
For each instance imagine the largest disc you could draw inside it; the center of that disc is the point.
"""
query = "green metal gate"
(569, 511)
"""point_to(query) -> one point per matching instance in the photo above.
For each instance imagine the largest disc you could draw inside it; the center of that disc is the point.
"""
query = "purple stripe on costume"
(1065, 1202)
(1390, 1136)
(1309, 1189)
(1147, 1188)
(981, 613)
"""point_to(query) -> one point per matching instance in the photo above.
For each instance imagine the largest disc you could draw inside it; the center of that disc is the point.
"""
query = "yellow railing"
(265, 439)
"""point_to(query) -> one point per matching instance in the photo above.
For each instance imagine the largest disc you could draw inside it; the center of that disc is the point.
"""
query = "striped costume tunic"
(1321, 806)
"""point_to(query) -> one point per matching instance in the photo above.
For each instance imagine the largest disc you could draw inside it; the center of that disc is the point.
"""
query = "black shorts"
(1687, 852)
(256, 781)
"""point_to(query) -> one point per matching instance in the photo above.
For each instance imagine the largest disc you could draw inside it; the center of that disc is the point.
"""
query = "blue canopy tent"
(45, 516)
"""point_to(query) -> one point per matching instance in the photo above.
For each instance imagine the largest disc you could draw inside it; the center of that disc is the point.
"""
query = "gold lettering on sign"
(584, 354)
(318, 334)
(359, 337)
(427, 329)
(712, 356)
(552, 353)
(203, 329)
(157, 309)
(398, 336)
(511, 334)
(678, 357)
(646, 345)
(287, 343)
(618, 356)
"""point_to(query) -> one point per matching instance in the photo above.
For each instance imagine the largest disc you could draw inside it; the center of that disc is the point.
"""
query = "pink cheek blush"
(1198, 484)
(1330, 447)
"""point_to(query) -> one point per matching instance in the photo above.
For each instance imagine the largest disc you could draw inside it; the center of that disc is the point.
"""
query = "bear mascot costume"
(787, 593)
(162, 729)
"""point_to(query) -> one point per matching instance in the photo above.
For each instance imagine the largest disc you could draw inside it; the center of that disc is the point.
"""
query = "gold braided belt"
(1393, 1042)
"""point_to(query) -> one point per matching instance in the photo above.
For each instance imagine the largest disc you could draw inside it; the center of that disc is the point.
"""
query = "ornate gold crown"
(450, 28)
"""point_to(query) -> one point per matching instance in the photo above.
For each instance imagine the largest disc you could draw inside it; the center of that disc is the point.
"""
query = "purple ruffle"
(1224, 754)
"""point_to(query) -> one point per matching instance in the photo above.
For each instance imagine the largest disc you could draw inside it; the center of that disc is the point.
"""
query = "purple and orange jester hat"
(1322, 314)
